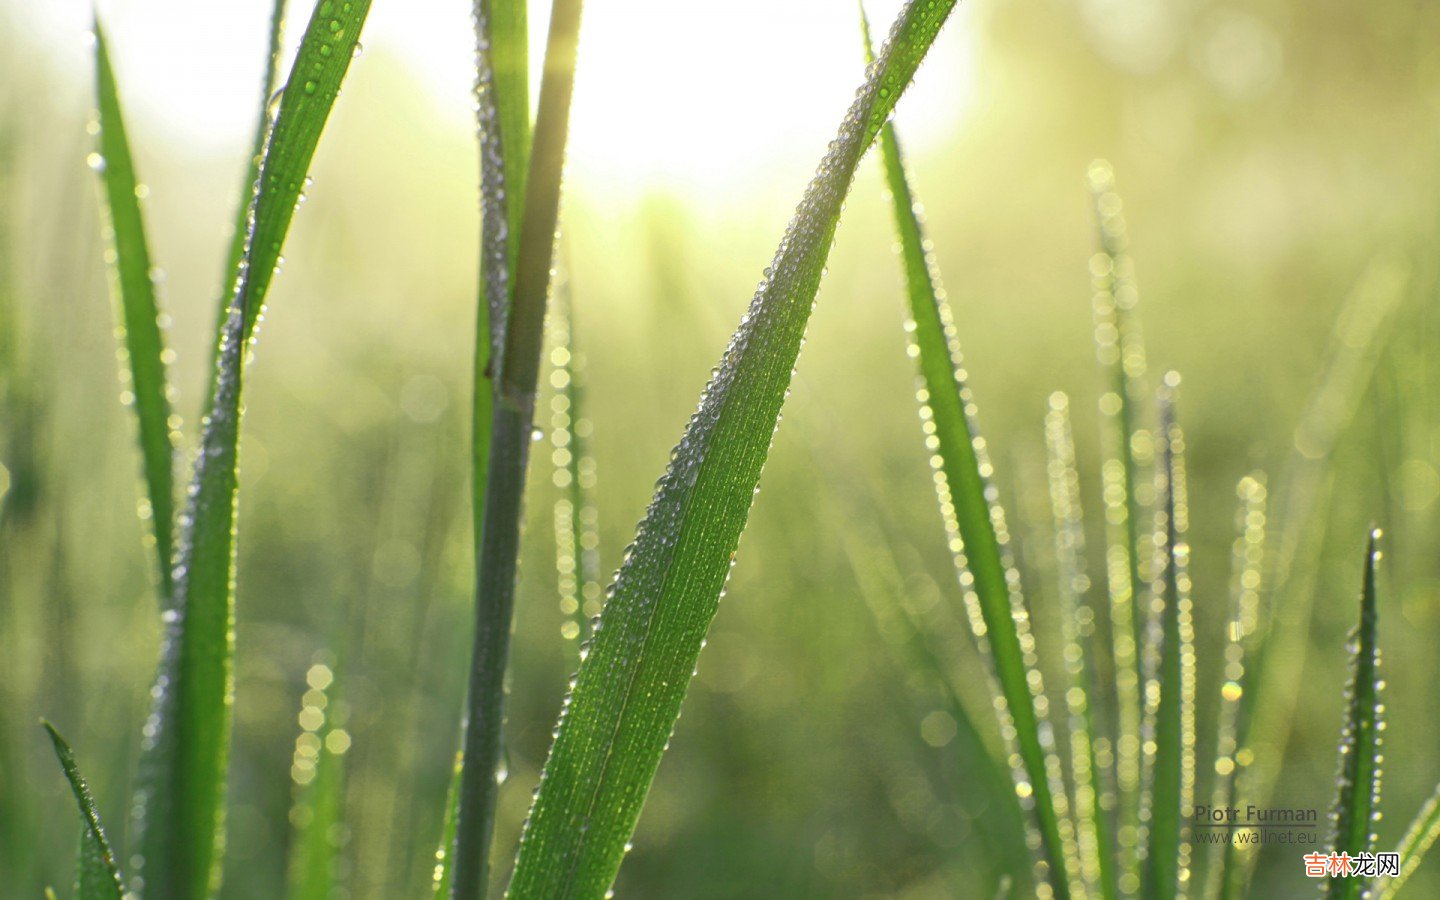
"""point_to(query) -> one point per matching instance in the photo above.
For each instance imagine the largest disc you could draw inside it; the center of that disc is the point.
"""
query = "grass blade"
(1245, 589)
(97, 878)
(187, 735)
(1418, 838)
(1357, 798)
(144, 346)
(577, 558)
(515, 371)
(1078, 622)
(269, 83)
(441, 876)
(976, 526)
(619, 716)
(1121, 351)
(318, 772)
(1171, 650)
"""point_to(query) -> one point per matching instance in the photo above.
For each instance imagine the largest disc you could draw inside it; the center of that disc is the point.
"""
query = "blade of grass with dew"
(144, 346)
(618, 718)
(1357, 797)
(1078, 621)
(1121, 351)
(976, 527)
(1418, 839)
(97, 877)
(1246, 582)
(269, 82)
(1171, 649)
(1361, 326)
(516, 372)
(186, 739)
(577, 558)
(318, 772)
(441, 876)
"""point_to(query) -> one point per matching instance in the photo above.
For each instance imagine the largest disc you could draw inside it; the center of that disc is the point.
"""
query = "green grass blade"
(441, 875)
(269, 83)
(1078, 621)
(1121, 352)
(144, 345)
(976, 526)
(1247, 569)
(97, 878)
(630, 686)
(516, 372)
(1171, 647)
(1357, 798)
(187, 736)
(318, 772)
(1418, 838)
(577, 558)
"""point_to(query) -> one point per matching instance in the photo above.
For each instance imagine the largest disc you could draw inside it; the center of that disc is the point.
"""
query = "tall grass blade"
(1418, 838)
(318, 773)
(97, 877)
(1121, 351)
(1246, 583)
(1361, 327)
(269, 82)
(976, 527)
(1171, 664)
(187, 735)
(1093, 796)
(441, 877)
(1357, 798)
(144, 346)
(577, 538)
(619, 716)
(516, 371)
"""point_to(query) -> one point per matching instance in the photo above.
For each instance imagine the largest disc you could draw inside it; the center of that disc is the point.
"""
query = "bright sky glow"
(693, 96)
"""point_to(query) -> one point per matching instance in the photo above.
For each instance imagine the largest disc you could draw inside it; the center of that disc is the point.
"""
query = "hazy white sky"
(667, 91)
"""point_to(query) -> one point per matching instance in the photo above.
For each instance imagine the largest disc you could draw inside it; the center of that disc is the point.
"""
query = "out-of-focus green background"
(1275, 158)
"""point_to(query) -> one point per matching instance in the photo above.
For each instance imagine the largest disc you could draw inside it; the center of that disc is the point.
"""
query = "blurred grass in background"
(1270, 157)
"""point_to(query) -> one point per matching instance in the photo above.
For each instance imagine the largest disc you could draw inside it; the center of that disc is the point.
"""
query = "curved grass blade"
(1357, 798)
(97, 878)
(1077, 618)
(187, 735)
(1121, 350)
(1418, 838)
(976, 526)
(619, 716)
(577, 558)
(252, 171)
(139, 317)
(516, 371)
(1246, 583)
(318, 772)
(1171, 652)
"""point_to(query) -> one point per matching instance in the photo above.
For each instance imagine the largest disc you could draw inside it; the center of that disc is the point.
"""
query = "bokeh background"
(1277, 161)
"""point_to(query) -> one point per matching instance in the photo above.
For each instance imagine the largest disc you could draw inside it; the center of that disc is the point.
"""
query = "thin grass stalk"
(268, 98)
(97, 877)
(1170, 687)
(1247, 568)
(1417, 840)
(317, 771)
(1357, 797)
(977, 534)
(143, 346)
(1121, 352)
(1093, 797)
(510, 433)
(1362, 325)
(577, 538)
